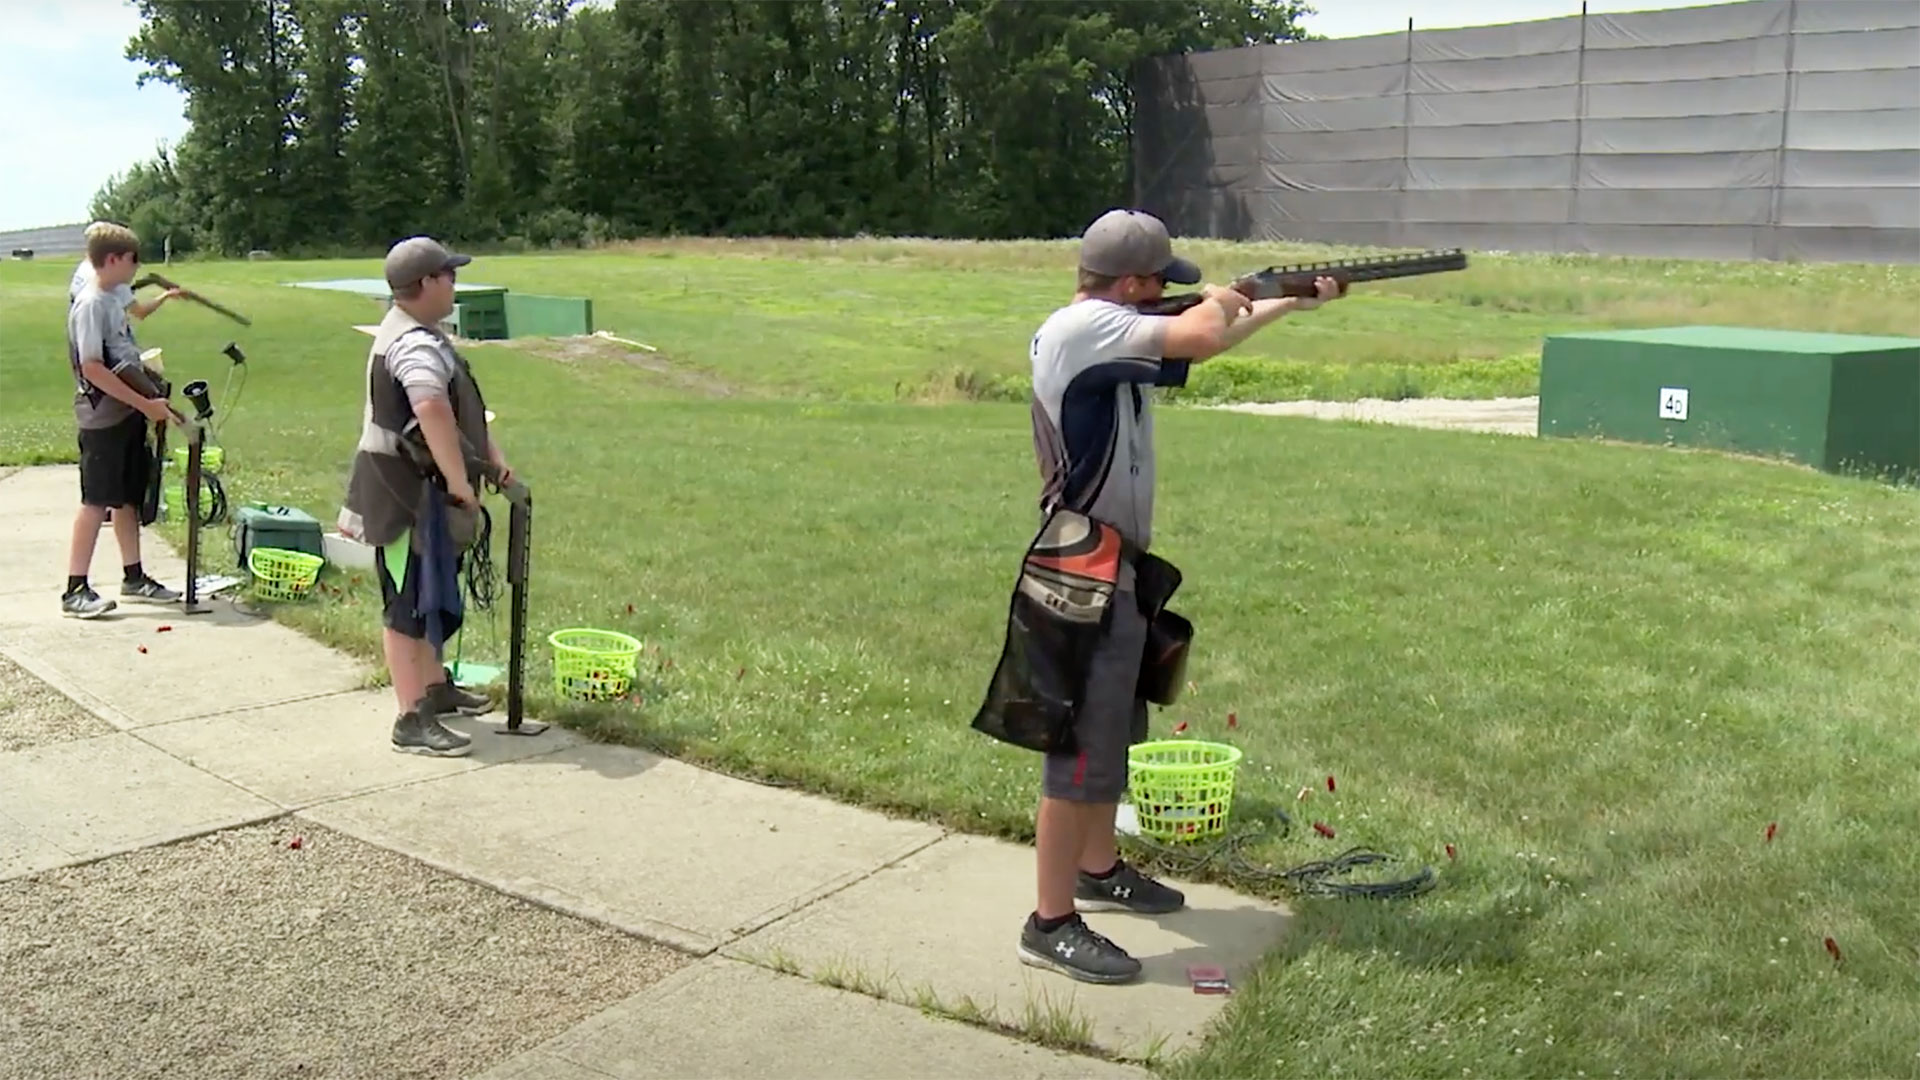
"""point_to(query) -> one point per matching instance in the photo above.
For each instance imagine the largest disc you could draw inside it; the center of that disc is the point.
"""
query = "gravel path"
(235, 955)
(35, 714)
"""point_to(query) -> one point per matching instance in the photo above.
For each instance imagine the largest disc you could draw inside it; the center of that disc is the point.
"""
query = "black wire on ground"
(1226, 857)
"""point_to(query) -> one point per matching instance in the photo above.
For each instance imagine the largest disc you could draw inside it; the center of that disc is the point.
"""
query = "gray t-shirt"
(1094, 364)
(98, 329)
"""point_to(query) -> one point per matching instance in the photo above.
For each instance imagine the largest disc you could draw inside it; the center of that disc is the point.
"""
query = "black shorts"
(115, 463)
(1112, 718)
(400, 598)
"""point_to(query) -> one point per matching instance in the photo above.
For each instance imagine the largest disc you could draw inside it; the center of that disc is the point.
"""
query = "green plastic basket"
(1182, 789)
(279, 574)
(593, 665)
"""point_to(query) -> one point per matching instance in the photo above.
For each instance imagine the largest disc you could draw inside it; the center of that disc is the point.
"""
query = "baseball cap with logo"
(418, 256)
(1124, 242)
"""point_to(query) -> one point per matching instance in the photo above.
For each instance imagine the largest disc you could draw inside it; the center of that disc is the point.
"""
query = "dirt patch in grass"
(235, 955)
(35, 714)
(590, 348)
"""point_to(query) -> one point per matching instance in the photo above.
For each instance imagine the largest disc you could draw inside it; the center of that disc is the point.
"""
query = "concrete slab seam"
(100, 709)
(691, 942)
(128, 849)
(786, 909)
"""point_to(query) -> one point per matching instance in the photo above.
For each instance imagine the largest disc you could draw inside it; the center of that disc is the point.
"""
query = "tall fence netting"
(1766, 129)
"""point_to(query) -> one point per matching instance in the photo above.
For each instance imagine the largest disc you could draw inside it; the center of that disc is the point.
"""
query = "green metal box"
(1839, 402)
(480, 312)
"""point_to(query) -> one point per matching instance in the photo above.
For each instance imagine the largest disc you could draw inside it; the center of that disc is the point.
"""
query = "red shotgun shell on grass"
(1329, 781)
(1179, 727)
(1233, 721)
(1833, 947)
(1323, 829)
(1450, 852)
(1771, 826)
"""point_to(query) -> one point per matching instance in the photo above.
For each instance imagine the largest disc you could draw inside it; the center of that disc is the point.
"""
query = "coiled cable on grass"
(1319, 877)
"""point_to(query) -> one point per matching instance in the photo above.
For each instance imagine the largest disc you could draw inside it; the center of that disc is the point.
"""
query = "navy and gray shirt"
(1095, 363)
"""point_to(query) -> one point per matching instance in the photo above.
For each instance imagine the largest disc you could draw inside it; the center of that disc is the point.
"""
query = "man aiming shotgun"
(1095, 362)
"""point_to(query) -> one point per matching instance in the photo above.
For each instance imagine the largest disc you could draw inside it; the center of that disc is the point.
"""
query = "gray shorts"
(1113, 718)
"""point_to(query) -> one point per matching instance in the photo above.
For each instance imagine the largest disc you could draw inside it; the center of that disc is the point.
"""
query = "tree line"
(337, 125)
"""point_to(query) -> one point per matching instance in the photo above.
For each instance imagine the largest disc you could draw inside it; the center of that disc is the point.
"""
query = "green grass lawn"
(1599, 672)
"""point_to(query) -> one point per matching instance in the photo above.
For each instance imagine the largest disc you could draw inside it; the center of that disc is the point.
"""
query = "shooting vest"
(385, 489)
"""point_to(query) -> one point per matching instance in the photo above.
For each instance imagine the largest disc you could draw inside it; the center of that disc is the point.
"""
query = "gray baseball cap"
(1123, 242)
(417, 256)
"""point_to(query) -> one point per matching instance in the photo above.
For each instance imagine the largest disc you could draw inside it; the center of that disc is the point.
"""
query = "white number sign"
(1673, 403)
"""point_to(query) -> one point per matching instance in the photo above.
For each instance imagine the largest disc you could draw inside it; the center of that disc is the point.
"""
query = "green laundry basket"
(593, 665)
(1182, 789)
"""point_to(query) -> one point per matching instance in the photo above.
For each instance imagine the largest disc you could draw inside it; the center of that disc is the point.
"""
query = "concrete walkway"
(828, 935)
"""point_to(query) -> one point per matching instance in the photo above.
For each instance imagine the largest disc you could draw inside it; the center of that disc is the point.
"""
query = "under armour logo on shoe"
(1063, 949)
(1124, 892)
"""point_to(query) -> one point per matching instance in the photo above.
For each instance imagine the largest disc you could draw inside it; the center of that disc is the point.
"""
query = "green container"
(1838, 402)
(480, 312)
(285, 527)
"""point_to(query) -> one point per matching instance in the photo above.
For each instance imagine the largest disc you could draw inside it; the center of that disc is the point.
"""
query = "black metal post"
(196, 445)
(519, 541)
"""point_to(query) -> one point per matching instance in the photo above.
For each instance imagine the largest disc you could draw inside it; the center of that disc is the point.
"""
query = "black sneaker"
(1126, 889)
(85, 604)
(417, 734)
(148, 591)
(446, 699)
(1076, 951)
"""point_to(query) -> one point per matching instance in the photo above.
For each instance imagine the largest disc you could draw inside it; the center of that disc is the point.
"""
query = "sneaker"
(414, 733)
(446, 699)
(1077, 951)
(1126, 889)
(86, 604)
(148, 591)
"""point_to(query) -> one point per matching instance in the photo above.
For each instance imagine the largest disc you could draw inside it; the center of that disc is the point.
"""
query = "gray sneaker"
(414, 733)
(1126, 889)
(1076, 951)
(85, 604)
(148, 591)
(446, 699)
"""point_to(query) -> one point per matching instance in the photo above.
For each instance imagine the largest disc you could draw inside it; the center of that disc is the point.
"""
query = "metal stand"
(196, 445)
(519, 538)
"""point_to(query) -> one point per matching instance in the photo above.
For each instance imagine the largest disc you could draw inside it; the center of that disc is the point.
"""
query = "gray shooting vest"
(386, 489)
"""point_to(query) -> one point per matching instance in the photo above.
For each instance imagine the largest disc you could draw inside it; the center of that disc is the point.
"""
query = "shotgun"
(189, 294)
(1278, 281)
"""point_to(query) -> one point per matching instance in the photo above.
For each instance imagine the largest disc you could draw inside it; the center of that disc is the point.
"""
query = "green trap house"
(488, 312)
(1838, 402)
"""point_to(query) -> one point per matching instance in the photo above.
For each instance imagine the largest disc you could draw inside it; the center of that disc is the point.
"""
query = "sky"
(74, 117)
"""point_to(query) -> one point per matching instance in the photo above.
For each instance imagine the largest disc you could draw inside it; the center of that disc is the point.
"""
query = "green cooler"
(260, 525)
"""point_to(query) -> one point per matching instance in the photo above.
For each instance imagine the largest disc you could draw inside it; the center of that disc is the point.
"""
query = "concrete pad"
(206, 664)
(320, 749)
(644, 843)
(725, 1020)
(92, 797)
(948, 919)
(38, 525)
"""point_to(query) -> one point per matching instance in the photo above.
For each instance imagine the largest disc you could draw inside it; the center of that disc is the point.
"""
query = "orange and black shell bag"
(1055, 619)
